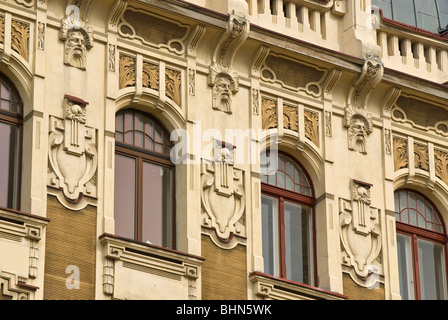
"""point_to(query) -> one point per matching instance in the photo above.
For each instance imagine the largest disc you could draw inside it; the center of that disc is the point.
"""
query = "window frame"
(415, 233)
(140, 156)
(282, 195)
(14, 119)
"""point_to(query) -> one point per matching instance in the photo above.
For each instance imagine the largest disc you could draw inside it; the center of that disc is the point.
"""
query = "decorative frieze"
(20, 35)
(173, 83)
(441, 165)
(312, 126)
(269, 113)
(290, 117)
(126, 71)
(150, 77)
(400, 153)
(421, 157)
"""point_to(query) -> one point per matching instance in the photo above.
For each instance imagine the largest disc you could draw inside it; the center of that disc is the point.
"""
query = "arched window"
(288, 222)
(421, 242)
(144, 180)
(11, 121)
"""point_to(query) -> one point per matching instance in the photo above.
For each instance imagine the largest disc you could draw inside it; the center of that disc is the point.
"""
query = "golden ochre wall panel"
(224, 275)
(356, 292)
(70, 253)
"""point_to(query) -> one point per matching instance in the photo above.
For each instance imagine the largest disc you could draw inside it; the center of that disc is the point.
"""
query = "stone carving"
(312, 126)
(77, 35)
(255, 101)
(112, 50)
(192, 82)
(387, 141)
(421, 157)
(2, 29)
(441, 164)
(400, 153)
(173, 85)
(126, 71)
(269, 113)
(359, 124)
(26, 3)
(224, 86)
(360, 232)
(20, 35)
(109, 276)
(150, 76)
(357, 119)
(73, 157)
(41, 36)
(223, 80)
(290, 118)
(223, 196)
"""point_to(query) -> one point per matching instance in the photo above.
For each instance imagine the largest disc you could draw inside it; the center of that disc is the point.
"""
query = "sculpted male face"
(75, 50)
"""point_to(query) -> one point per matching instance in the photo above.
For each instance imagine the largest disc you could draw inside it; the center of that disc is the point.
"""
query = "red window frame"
(140, 156)
(415, 233)
(14, 118)
(282, 195)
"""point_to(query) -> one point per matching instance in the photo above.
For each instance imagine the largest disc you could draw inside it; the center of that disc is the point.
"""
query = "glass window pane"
(119, 123)
(5, 91)
(138, 119)
(9, 165)
(157, 205)
(124, 196)
(432, 270)
(138, 139)
(269, 210)
(298, 243)
(405, 269)
(280, 179)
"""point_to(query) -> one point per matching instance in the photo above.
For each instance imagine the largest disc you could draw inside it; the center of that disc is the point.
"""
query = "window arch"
(11, 122)
(288, 221)
(421, 245)
(144, 180)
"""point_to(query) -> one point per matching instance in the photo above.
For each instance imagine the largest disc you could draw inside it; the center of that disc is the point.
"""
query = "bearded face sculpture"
(75, 50)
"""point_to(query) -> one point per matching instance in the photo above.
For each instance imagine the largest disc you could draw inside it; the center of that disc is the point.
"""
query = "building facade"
(203, 149)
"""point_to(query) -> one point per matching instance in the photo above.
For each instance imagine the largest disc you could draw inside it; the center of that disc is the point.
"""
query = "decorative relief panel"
(312, 126)
(20, 35)
(41, 27)
(26, 3)
(441, 164)
(126, 71)
(223, 196)
(293, 75)
(407, 109)
(360, 234)
(173, 83)
(269, 113)
(150, 77)
(153, 30)
(400, 153)
(421, 156)
(290, 117)
(2, 29)
(73, 156)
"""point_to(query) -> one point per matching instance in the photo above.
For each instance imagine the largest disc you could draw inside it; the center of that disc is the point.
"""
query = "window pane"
(124, 196)
(298, 243)
(9, 165)
(405, 269)
(269, 210)
(157, 205)
(432, 270)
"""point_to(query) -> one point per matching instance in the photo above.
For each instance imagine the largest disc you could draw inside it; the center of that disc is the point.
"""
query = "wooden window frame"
(283, 195)
(15, 119)
(415, 233)
(140, 156)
